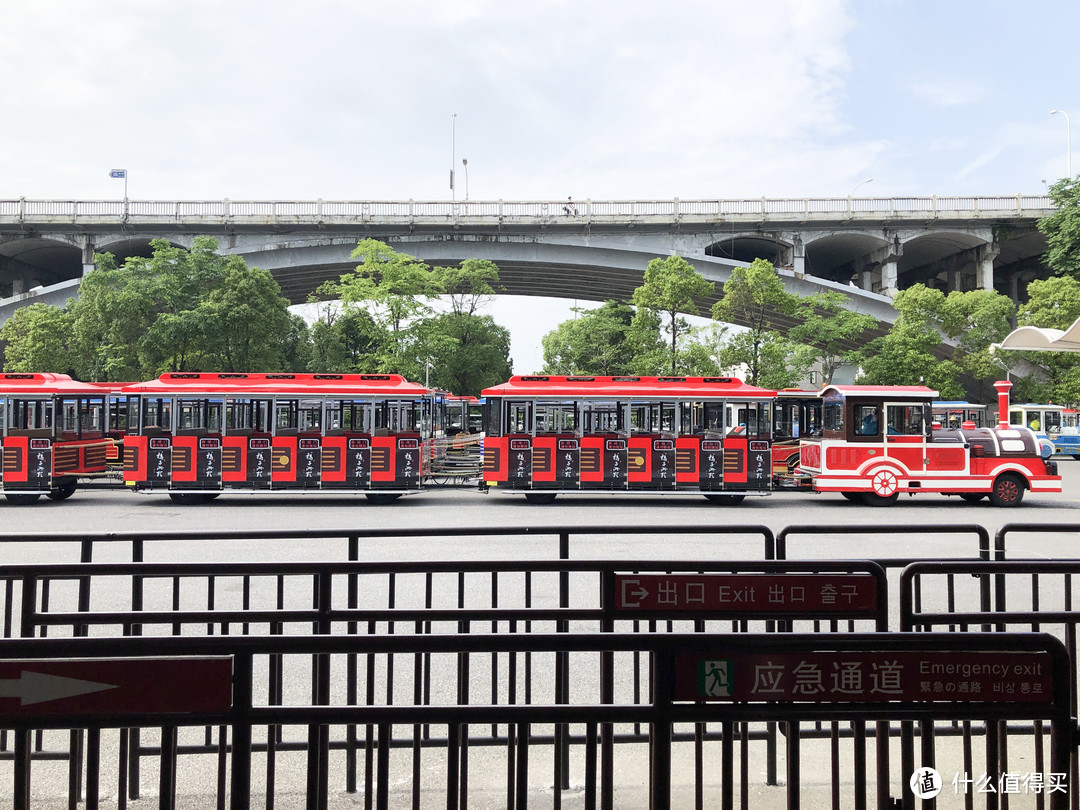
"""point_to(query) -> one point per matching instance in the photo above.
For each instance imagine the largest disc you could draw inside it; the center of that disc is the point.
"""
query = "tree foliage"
(177, 310)
(909, 353)
(669, 290)
(827, 327)
(38, 340)
(1052, 303)
(595, 341)
(752, 296)
(1062, 228)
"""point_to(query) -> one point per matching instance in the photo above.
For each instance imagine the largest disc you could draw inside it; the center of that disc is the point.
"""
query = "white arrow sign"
(37, 687)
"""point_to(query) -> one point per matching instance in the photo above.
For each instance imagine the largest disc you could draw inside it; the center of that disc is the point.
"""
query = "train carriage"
(54, 432)
(196, 435)
(879, 441)
(546, 435)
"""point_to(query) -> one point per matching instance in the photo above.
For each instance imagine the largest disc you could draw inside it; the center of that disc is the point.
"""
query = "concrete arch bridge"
(868, 248)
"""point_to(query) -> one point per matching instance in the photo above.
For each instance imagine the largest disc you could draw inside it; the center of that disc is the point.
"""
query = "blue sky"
(609, 99)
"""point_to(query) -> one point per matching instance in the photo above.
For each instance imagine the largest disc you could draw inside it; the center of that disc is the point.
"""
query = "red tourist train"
(54, 432)
(545, 435)
(197, 435)
(877, 442)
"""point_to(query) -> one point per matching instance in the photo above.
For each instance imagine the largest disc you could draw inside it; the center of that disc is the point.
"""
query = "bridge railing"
(329, 211)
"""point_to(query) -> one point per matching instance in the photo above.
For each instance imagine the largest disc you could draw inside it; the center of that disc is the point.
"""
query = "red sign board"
(116, 685)
(746, 593)
(867, 677)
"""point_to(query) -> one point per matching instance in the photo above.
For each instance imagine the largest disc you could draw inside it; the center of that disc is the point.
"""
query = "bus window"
(866, 420)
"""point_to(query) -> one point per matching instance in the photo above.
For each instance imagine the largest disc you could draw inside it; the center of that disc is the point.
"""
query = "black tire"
(854, 497)
(22, 499)
(209, 496)
(540, 497)
(972, 497)
(382, 498)
(1008, 490)
(61, 492)
(873, 499)
(726, 500)
(186, 498)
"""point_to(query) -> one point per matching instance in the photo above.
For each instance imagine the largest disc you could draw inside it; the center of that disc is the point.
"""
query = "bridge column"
(889, 278)
(984, 265)
(87, 248)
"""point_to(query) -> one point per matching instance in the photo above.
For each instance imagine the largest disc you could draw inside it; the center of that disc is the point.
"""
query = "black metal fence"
(456, 605)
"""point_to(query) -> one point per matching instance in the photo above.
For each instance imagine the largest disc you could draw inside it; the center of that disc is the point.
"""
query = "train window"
(3, 415)
(397, 416)
(750, 419)
(247, 415)
(907, 420)
(157, 414)
(832, 413)
(867, 422)
(1051, 421)
(285, 415)
(31, 414)
(603, 417)
(691, 418)
(348, 416)
(714, 416)
(309, 417)
(492, 414)
(655, 417)
(199, 415)
(556, 417)
(519, 417)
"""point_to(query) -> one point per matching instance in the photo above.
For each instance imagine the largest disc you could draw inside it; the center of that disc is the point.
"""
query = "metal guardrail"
(344, 212)
(667, 707)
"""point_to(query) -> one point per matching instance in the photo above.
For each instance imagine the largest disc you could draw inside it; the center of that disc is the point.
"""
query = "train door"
(747, 454)
(599, 460)
(906, 428)
(651, 457)
(246, 455)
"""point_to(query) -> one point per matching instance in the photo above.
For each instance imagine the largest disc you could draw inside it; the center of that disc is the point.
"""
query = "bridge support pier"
(87, 249)
(984, 265)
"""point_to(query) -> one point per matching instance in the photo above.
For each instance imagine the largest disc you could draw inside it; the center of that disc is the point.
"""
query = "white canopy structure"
(1035, 339)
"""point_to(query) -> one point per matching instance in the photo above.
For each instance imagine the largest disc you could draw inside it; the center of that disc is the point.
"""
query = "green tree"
(343, 340)
(178, 310)
(752, 297)
(976, 320)
(593, 342)
(1062, 228)
(1052, 303)
(397, 291)
(670, 290)
(910, 353)
(827, 327)
(37, 339)
(467, 353)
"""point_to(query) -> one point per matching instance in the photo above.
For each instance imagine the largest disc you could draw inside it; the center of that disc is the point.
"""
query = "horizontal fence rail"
(328, 213)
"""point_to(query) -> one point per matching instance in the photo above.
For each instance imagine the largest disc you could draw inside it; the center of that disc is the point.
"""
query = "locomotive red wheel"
(885, 483)
(1008, 490)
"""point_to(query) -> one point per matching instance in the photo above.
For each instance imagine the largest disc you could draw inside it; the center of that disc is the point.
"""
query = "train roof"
(913, 392)
(625, 386)
(14, 383)
(279, 384)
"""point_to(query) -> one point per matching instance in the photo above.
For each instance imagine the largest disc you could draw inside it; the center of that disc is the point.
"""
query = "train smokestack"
(1003, 387)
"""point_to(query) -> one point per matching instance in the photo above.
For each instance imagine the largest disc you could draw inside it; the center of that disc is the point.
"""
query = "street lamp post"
(1068, 139)
(861, 183)
(453, 151)
(465, 163)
